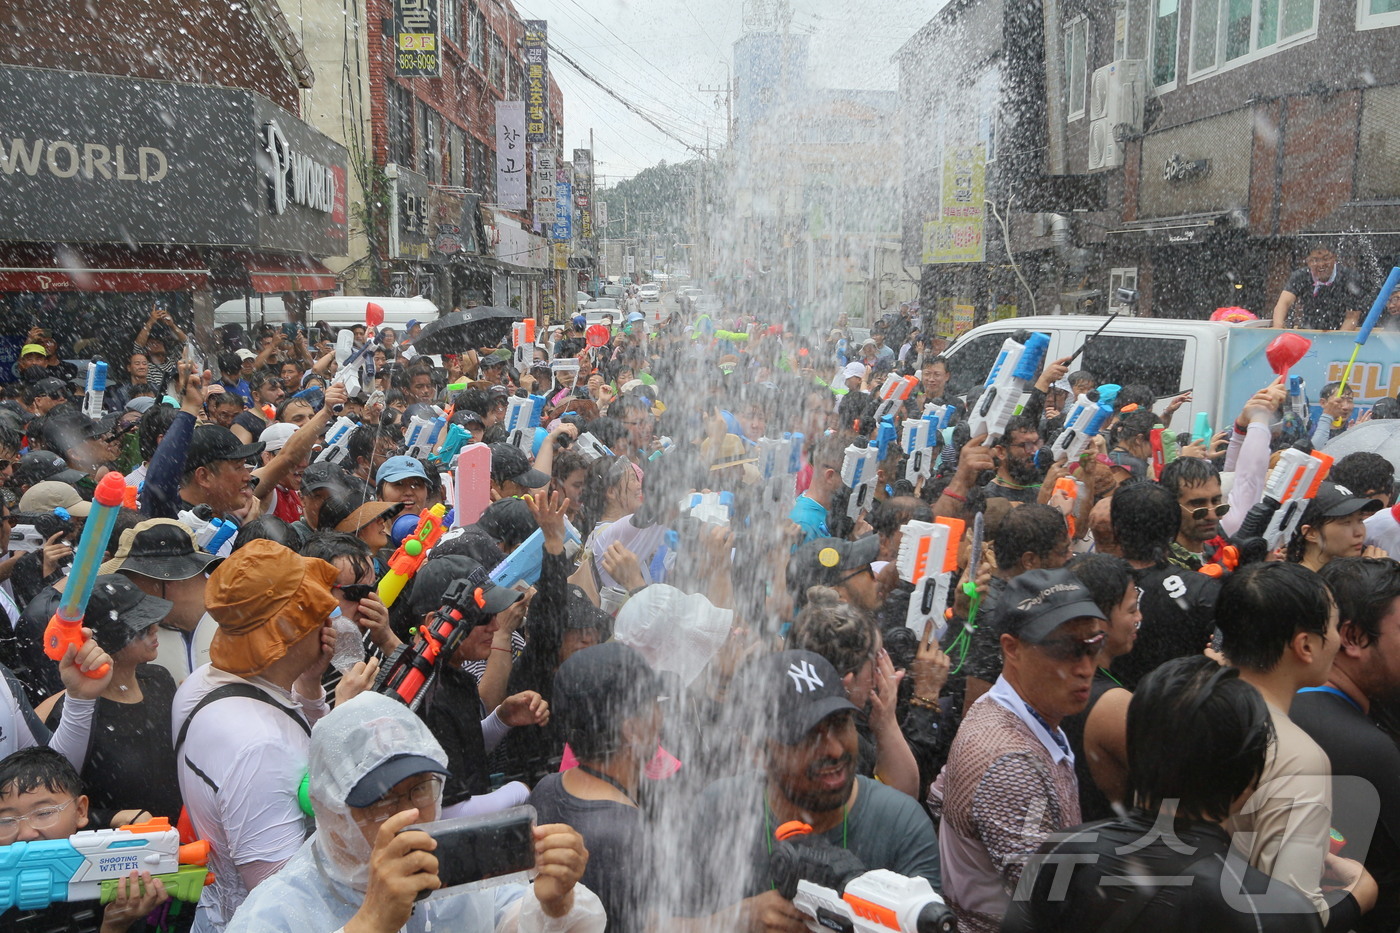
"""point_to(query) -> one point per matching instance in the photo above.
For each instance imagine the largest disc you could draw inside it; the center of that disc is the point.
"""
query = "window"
(498, 62)
(1376, 14)
(1076, 59)
(1226, 33)
(432, 154)
(457, 158)
(400, 122)
(1165, 26)
(482, 168)
(450, 17)
(1123, 277)
(989, 110)
(971, 360)
(420, 162)
(1155, 362)
(478, 29)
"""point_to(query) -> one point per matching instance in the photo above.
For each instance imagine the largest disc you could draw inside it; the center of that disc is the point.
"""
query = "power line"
(626, 103)
(644, 59)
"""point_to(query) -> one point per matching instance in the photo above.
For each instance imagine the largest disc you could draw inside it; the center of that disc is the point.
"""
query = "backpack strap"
(245, 690)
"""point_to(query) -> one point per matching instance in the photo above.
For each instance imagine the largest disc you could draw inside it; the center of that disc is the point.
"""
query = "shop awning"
(101, 269)
(268, 274)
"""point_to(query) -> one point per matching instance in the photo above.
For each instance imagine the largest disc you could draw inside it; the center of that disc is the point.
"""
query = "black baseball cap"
(323, 475)
(805, 689)
(1335, 501)
(39, 465)
(825, 561)
(509, 462)
(119, 612)
(1039, 601)
(598, 687)
(438, 573)
(373, 786)
(50, 386)
(509, 521)
(212, 443)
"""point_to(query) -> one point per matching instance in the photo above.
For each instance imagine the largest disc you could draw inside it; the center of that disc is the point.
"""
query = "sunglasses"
(1072, 649)
(355, 592)
(1200, 514)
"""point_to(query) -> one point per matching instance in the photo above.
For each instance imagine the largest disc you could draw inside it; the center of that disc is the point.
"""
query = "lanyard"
(1328, 688)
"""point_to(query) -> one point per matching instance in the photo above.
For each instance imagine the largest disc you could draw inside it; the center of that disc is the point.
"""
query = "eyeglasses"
(1072, 649)
(422, 795)
(355, 591)
(1198, 515)
(855, 573)
(43, 818)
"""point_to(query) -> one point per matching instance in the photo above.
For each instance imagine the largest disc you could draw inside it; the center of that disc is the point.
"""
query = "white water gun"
(522, 339)
(858, 470)
(1083, 422)
(922, 438)
(96, 387)
(1013, 374)
(928, 558)
(894, 392)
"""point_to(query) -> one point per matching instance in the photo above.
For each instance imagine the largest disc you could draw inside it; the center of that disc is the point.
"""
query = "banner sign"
(510, 155)
(416, 50)
(957, 236)
(536, 81)
(563, 212)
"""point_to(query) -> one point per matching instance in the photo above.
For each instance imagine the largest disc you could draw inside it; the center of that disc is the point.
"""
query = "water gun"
(1372, 316)
(921, 437)
(411, 553)
(337, 441)
(893, 393)
(591, 447)
(88, 866)
(858, 472)
(974, 596)
(831, 887)
(779, 457)
(712, 508)
(457, 438)
(885, 435)
(96, 386)
(473, 485)
(349, 361)
(1200, 428)
(522, 338)
(522, 417)
(1083, 423)
(1291, 485)
(422, 436)
(66, 625)
(1016, 368)
(211, 534)
(523, 564)
(928, 556)
(412, 669)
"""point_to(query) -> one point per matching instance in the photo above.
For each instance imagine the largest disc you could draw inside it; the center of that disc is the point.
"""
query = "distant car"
(706, 304)
(685, 297)
(650, 292)
(581, 298)
(600, 304)
(614, 291)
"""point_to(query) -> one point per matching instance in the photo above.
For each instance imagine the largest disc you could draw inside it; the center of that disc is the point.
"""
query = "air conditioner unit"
(1105, 152)
(1118, 92)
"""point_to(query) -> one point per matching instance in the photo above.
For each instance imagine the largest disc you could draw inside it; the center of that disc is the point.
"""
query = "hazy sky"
(657, 53)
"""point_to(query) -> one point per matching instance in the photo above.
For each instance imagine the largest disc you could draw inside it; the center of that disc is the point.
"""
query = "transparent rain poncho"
(323, 885)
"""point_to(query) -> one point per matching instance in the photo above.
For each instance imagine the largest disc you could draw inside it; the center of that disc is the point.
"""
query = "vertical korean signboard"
(536, 82)
(583, 188)
(417, 53)
(957, 236)
(510, 155)
(544, 185)
(564, 212)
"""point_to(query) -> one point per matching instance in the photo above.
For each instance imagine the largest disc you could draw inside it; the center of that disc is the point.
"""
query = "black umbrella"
(466, 330)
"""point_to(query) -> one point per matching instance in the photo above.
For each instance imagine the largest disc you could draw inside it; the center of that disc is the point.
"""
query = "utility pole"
(728, 92)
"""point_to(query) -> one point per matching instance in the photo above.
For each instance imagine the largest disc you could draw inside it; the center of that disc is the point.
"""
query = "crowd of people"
(1124, 717)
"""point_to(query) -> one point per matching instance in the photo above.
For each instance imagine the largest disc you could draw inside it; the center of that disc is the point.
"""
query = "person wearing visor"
(1333, 526)
(130, 767)
(1010, 782)
(376, 770)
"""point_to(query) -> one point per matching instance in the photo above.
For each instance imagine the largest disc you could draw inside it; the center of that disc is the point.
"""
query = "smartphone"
(473, 849)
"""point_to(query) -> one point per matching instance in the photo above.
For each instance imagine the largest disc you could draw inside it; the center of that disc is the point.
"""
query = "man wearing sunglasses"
(1009, 782)
(1196, 485)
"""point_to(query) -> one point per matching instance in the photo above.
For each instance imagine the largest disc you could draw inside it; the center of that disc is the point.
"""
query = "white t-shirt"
(255, 756)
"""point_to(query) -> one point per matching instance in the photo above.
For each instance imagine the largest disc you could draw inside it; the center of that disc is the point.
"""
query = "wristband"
(498, 648)
(953, 495)
(923, 702)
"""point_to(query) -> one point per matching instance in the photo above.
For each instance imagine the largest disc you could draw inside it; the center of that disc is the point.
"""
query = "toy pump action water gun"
(921, 439)
(522, 338)
(858, 470)
(1291, 485)
(885, 435)
(1013, 374)
(96, 387)
(1083, 423)
(337, 445)
(591, 447)
(928, 556)
(413, 668)
(522, 417)
(66, 626)
(422, 436)
(895, 390)
(411, 553)
(523, 565)
(88, 866)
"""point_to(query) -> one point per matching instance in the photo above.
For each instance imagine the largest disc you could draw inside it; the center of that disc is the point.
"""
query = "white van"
(251, 312)
(1221, 364)
(348, 310)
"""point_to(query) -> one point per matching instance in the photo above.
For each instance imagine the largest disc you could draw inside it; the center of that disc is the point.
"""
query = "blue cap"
(636, 316)
(397, 468)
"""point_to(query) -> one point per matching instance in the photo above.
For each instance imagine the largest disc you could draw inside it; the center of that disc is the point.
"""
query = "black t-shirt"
(453, 715)
(1027, 496)
(1322, 307)
(1093, 803)
(617, 858)
(1178, 619)
(250, 422)
(1358, 748)
(130, 762)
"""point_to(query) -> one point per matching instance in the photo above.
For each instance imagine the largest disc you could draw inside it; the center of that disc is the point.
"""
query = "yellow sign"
(962, 318)
(957, 235)
(561, 255)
